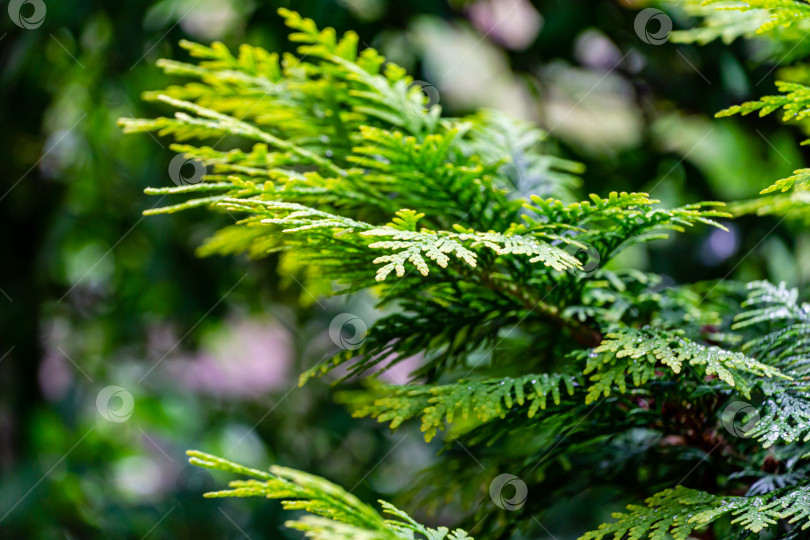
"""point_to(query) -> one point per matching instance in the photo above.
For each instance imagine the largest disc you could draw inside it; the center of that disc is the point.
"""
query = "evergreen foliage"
(506, 290)
(785, 25)
(332, 513)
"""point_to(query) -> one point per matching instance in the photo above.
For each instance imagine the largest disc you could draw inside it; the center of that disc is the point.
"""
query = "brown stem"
(582, 333)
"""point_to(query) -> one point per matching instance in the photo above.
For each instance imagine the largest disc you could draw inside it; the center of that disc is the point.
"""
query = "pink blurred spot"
(512, 23)
(247, 359)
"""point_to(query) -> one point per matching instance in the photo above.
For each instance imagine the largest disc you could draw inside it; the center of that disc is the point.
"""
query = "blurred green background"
(93, 295)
